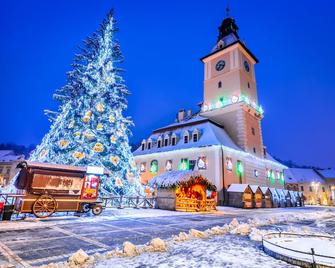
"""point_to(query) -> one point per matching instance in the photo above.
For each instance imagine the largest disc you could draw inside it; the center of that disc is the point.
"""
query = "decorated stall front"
(293, 196)
(240, 195)
(288, 198)
(256, 196)
(266, 197)
(282, 197)
(275, 197)
(184, 191)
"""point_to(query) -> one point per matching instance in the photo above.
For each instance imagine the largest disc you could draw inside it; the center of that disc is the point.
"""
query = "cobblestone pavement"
(56, 239)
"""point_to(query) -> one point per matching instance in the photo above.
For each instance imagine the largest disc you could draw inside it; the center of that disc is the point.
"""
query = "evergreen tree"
(90, 128)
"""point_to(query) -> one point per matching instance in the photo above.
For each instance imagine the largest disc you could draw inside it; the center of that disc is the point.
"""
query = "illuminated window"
(229, 164)
(202, 163)
(154, 166)
(168, 165)
(184, 164)
(143, 167)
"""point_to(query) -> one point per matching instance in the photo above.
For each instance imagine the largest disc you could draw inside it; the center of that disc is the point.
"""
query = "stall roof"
(274, 191)
(264, 189)
(254, 188)
(59, 167)
(177, 177)
(238, 188)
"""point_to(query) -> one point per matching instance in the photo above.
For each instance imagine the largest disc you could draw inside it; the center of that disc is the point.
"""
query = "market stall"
(184, 191)
(288, 198)
(266, 197)
(275, 197)
(240, 195)
(256, 196)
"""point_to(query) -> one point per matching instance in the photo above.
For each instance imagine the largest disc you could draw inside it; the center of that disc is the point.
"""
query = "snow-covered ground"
(236, 244)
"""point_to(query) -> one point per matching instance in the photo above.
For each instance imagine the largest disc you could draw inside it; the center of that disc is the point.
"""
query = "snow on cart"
(184, 191)
(44, 189)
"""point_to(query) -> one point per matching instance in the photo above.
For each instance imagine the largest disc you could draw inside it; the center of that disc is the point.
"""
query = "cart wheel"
(44, 206)
(96, 210)
(85, 208)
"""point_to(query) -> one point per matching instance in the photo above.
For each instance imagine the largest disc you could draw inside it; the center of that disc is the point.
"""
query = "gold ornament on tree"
(100, 107)
(87, 116)
(115, 160)
(98, 147)
(111, 118)
(44, 153)
(63, 144)
(78, 155)
(113, 139)
(100, 126)
(77, 134)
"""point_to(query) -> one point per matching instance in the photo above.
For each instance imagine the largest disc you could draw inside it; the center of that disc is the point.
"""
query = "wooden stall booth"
(48, 188)
(282, 198)
(240, 196)
(293, 197)
(256, 196)
(266, 197)
(275, 197)
(184, 191)
(300, 199)
(288, 202)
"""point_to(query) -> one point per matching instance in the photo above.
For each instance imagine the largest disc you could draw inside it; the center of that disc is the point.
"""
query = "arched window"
(195, 135)
(159, 142)
(154, 166)
(173, 139)
(143, 145)
(186, 137)
(149, 144)
(166, 140)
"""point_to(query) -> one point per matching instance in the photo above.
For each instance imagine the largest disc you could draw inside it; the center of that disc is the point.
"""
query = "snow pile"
(197, 234)
(241, 229)
(218, 230)
(79, 258)
(256, 234)
(129, 249)
(156, 245)
(181, 237)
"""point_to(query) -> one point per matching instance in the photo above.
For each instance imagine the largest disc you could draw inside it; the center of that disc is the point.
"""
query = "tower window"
(253, 131)
(220, 84)
(248, 85)
(254, 150)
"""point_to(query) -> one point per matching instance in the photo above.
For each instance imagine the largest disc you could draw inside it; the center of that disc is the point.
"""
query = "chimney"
(181, 115)
(189, 113)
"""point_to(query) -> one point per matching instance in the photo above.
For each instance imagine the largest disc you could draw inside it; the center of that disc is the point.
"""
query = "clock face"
(220, 65)
(246, 66)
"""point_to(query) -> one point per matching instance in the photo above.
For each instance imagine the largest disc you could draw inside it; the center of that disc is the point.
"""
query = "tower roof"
(228, 27)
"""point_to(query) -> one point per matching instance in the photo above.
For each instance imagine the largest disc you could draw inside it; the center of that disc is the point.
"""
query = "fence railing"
(308, 256)
(128, 202)
(9, 199)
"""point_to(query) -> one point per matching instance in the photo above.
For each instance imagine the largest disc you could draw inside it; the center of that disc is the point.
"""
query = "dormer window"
(173, 140)
(186, 137)
(149, 144)
(166, 140)
(195, 135)
(159, 142)
(143, 145)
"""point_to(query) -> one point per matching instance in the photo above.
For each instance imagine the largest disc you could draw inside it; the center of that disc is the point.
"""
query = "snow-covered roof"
(237, 188)
(254, 188)
(301, 175)
(281, 193)
(210, 134)
(9, 155)
(264, 189)
(171, 179)
(274, 191)
(327, 173)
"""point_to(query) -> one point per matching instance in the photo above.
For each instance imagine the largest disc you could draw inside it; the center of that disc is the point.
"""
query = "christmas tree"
(90, 128)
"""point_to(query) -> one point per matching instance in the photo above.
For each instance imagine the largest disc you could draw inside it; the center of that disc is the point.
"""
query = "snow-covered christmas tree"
(90, 128)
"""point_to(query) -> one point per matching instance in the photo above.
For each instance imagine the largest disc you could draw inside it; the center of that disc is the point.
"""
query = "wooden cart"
(49, 188)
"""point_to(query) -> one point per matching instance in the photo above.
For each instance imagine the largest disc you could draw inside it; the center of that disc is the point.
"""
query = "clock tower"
(230, 92)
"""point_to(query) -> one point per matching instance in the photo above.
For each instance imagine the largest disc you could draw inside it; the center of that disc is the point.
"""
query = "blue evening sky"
(162, 42)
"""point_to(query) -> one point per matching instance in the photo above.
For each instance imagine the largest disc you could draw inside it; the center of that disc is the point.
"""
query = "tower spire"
(227, 10)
